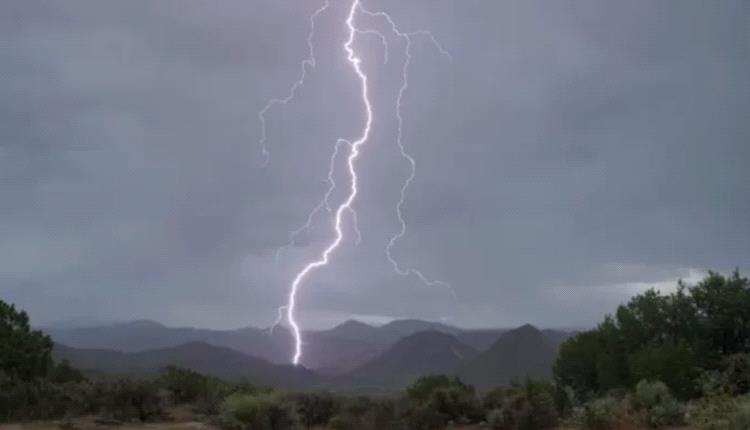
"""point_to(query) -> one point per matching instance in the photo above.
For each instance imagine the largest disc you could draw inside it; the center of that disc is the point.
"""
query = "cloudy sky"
(569, 155)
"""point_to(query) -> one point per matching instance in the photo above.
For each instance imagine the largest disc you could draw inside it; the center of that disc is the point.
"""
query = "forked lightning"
(353, 148)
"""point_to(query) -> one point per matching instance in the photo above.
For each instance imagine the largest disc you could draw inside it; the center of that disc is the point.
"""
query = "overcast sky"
(571, 154)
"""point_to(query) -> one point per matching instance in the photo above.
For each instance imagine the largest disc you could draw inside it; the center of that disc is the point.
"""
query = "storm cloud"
(569, 155)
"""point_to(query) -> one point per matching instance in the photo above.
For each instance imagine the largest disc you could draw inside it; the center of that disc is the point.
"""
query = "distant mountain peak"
(526, 328)
(352, 323)
(524, 351)
(425, 352)
(143, 323)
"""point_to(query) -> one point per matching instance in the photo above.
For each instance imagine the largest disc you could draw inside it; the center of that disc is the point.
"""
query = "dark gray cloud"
(570, 154)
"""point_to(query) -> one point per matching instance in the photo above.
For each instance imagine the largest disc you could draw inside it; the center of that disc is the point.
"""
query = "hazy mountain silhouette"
(557, 337)
(201, 357)
(422, 353)
(524, 351)
(146, 335)
(336, 351)
(481, 339)
(354, 330)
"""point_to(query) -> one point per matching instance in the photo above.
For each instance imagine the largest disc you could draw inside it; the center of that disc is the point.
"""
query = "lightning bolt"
(346, 207)
(407, 37)
(324, 203)
(308, 62)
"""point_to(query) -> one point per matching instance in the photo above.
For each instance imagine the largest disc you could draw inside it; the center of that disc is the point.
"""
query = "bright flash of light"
(308, 62)
(346, 206)
(324, 203)
(407, 37)
(353, 147)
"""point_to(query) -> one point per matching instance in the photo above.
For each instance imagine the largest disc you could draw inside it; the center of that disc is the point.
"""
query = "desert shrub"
(422, 388)
(528, 405)
(345, 421)
(127, 398)
(424, 417)
(450, 398)
(566, 400)
(459, 403)
(211, 398)
(739, 418)
(655, 405)
(363, 413)
(493, 399)
(184, 385)
(351, 413)
(386, 413)
(606, 413)
(736, 373)
(720, 413)
(316, 409)
(63, 372)
(500, 418)
(42, 399)
(261, 411)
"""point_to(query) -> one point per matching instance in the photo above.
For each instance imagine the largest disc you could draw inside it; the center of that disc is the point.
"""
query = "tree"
(723, 306)
(672, 363)
(670, 337)
(575, 366)
(25, 354)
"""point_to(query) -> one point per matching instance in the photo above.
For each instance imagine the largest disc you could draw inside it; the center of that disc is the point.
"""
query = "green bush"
(606, 413)
(261, 411)
(210, 399)
(422, 388)
(458, 403)
(63, 372)
(363, 413)
(127, 398)
(500, 419)
(736, 371)
(42, 399)
(655, 406)
(385, 414)
(345, 421)
(493, 399)
(451, 399)
(423, 417)
(721, 413)
(316, 409)
(184, 385)
(528, 405)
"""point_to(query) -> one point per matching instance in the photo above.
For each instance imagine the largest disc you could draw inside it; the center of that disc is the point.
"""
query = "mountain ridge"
(198, 356)
(419, 354)
(524, 351)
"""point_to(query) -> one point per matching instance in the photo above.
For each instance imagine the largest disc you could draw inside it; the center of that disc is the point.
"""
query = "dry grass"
(89, 424)
(184, 420)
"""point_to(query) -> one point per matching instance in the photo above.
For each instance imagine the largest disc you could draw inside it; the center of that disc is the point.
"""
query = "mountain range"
(199, 356)
(350, 355)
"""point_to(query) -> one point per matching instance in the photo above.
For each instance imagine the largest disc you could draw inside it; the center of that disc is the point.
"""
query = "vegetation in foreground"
(660, 360)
